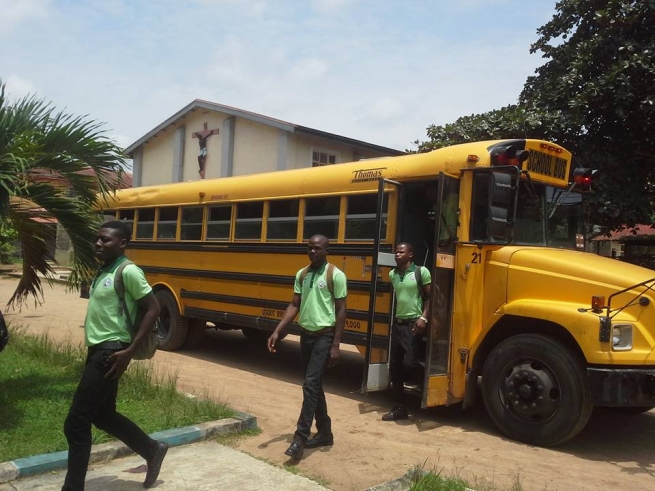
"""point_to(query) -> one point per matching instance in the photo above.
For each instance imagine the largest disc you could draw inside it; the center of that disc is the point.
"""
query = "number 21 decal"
(477, 258)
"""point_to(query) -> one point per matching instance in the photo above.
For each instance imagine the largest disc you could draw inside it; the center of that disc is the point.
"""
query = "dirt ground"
(612, 452)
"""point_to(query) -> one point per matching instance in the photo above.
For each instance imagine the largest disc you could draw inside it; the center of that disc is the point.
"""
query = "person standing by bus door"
(410, 321)
(319, 294)
(110, 349)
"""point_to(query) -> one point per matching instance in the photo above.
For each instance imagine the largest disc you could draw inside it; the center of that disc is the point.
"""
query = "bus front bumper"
(622, 387)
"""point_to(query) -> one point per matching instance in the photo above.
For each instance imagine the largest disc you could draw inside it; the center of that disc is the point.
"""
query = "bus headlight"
(622, 337)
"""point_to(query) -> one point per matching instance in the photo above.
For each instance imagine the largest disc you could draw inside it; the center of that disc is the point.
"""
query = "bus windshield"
(534, 224)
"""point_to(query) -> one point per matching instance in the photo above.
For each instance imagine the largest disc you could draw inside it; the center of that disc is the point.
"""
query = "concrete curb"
(38, 464)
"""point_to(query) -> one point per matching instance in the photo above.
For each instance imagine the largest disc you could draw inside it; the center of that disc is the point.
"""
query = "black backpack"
(149, 343)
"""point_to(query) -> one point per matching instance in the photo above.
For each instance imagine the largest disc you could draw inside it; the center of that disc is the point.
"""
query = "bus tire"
(172, 327)
(536, 390)
(196, 333)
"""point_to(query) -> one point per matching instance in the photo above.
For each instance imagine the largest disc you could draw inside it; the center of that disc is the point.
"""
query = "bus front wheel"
(535, 390)
(172, 327)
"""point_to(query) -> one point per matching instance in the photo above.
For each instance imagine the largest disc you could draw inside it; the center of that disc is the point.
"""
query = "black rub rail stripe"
(253, 277)
(335, 250)
(267, 324)
(270, 304)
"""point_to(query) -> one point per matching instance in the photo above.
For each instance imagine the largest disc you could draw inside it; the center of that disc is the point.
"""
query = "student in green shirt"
(409, 325)
(319, 295)
(110, 350)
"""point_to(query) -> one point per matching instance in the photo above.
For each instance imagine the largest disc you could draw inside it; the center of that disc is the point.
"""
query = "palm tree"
(35, 139)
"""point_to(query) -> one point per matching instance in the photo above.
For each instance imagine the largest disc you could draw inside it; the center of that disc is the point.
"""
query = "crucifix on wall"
(202, 137)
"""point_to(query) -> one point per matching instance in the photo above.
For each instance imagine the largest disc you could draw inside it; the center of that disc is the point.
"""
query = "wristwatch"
(423, 319)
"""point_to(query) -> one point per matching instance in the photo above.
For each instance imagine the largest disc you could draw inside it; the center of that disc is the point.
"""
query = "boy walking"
(319, 294)
(110, 349)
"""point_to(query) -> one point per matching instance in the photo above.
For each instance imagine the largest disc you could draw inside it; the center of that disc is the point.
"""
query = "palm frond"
(56, 163)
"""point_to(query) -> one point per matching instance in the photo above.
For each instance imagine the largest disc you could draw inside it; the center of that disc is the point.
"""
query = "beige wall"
(157, 165)
(255, 147)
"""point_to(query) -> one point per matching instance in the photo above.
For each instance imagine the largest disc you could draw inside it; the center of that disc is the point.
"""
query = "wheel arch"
(163, 286)
(511, 325)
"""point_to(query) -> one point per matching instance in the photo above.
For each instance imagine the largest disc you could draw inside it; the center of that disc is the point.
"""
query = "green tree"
(601, 78)
(595, 96)
(45, 155)
(512, 121)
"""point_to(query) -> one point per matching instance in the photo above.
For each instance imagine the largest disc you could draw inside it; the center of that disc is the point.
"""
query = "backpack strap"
(119, 288)
(419, 282)
(329, 277)
(303, 274)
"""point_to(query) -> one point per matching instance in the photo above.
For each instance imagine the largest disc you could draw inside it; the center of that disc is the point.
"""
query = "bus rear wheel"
(172, 327)
(535, 390)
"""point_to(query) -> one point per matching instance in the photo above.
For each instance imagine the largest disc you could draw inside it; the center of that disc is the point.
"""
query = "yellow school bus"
(546, 329)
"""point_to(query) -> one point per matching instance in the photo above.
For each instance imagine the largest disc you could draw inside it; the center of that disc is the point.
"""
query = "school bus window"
(282, 219)
(249, 220)
(145, 223)
(219, 219)
(361, 214)
(191, 227)
(480, 207)
(530, 226)
(322, 217)
(108, 215)
(167, 223)
(126, 216)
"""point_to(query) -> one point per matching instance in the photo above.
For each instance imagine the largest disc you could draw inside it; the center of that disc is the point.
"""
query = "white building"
(230, 141)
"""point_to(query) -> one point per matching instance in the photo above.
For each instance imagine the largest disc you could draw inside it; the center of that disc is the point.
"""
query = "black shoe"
(154, 464)
(320, 440)
(399, 411)
(296, 449)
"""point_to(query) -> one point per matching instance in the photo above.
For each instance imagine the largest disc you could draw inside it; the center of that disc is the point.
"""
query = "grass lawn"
(37, 382)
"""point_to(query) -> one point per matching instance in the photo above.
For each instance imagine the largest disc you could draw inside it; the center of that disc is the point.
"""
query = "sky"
(380, 71)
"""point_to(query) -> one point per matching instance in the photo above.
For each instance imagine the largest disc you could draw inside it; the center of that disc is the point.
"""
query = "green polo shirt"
(409, 303)
(317, 304)
(102, 321)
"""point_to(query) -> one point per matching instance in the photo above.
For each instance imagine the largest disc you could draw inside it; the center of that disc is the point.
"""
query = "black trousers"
(94, 402)
(404, 359)
(315, 352)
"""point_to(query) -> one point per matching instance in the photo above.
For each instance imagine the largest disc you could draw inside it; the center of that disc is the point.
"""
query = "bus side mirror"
(501, 201)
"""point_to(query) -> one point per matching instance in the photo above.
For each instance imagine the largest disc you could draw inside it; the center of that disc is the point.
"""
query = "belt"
(320, 332)
(109, 345)
(405, 321)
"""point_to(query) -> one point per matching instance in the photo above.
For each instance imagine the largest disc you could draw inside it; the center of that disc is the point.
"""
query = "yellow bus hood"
(557, 272)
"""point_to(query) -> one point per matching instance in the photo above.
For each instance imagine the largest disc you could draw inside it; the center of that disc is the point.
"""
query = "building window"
(323, 158)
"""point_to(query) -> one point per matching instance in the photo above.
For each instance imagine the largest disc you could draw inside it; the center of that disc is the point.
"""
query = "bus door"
(375, 376)
(437, 387)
